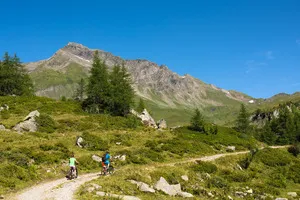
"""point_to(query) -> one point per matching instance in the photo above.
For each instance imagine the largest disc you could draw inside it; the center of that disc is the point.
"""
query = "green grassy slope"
(32, 157)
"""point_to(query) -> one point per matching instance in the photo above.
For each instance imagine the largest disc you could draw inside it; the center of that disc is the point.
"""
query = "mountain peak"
(75, 44)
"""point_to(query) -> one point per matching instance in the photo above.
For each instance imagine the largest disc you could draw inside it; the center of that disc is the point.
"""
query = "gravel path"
(61, 189)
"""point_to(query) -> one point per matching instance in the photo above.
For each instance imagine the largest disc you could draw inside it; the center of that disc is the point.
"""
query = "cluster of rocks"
(95, 188)
(248, 192)
(164, 186)
(148, 120)
(118, 157)
(28, 124)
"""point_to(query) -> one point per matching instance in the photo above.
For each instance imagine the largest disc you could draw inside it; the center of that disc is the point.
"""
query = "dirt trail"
(64, 189)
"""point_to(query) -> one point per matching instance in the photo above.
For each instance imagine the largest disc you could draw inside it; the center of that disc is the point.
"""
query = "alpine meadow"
(221, 121)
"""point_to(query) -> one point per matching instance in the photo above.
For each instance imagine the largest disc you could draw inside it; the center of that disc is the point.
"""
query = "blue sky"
(249, 46)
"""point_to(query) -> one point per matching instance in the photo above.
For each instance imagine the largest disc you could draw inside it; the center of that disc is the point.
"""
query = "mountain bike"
(72, 173)
(108, 171)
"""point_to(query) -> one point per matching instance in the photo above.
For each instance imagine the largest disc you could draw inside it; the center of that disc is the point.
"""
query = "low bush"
(294, 149)
(273, 157)
(294, 172)
(93, 142)
(217, 182)
(11, 175)
(239, 176)
(87, 163)
(46, 123)
(125, 139)
(206, 167)
(4, 114)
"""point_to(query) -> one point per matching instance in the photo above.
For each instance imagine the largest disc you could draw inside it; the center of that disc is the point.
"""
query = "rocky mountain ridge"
(151, 81)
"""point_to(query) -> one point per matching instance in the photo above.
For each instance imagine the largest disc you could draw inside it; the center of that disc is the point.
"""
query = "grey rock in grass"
(292, 194)
(145, 188)
(165, 187)
(29, 123)
(97, 158)
(281, 198)
(185, 195)
(250, 191)
(162, 124)
(123, 197)
(2, 127)
(142, 186)
(79, 141)
(230, 148)
(145, 117)
(185, 178)
(96, 186)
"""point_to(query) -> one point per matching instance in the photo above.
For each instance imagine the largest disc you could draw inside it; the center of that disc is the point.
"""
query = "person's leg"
(76, 172)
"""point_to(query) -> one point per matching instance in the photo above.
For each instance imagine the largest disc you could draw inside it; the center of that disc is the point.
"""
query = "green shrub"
(154, 145)
(12, 175)
(239, 176)
(204, 167)
(266, 189)
(63, 98)
(125, 139)
(294, 149)
(245, 162)
(273, 157)
(294, 172)
(277, 180)
(93, 142)
(87, 163)
(5, 114)
(46, 123)
(132, 121)
(217, 182)
(19, 159)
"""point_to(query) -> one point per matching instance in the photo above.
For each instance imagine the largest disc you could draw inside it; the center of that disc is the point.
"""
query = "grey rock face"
(185, 195)
(142, 186)
(162, 124)
(185, 177)
(79, 141)
(292, 194)
(171, 190)
(145, 117)
(29, 124)
(230, 148)
(97, 158)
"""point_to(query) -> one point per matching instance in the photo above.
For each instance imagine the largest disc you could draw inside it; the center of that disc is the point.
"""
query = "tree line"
(106, 92)
(281, 130)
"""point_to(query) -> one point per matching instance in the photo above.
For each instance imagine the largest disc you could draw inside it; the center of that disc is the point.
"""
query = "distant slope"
(168, 94)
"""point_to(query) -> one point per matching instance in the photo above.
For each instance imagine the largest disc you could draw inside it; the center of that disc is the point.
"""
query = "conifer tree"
(13, 77)
(98, 89)
(242, 123)
(197, 122)
(122, 91)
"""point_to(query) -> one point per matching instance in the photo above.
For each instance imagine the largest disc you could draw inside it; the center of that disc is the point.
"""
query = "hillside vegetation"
(30, 157)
